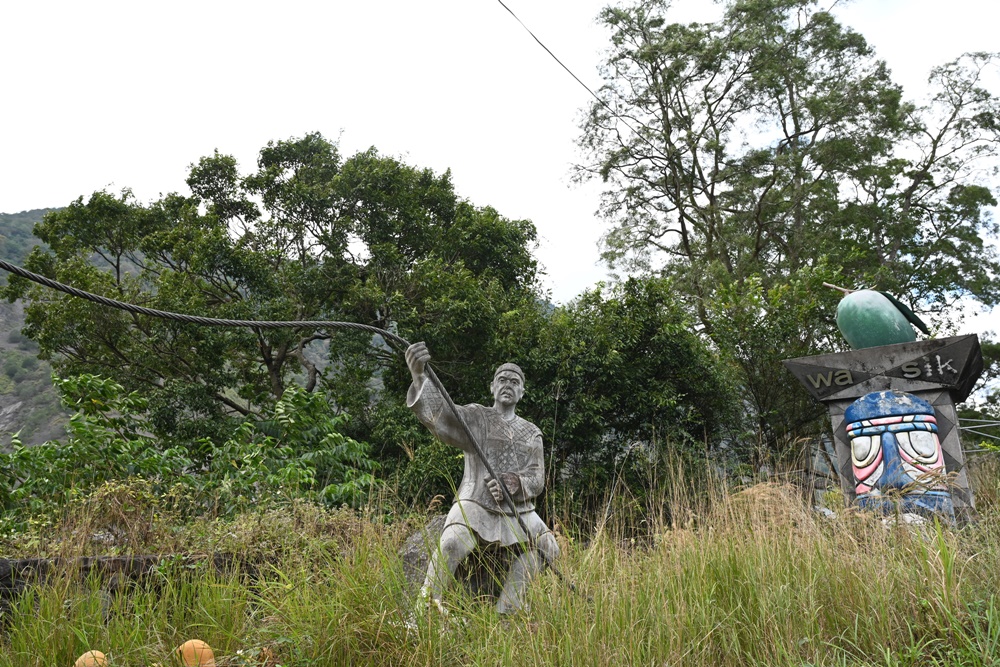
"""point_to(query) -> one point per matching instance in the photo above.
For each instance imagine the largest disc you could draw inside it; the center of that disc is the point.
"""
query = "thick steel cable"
(303, 324)
(195, 319)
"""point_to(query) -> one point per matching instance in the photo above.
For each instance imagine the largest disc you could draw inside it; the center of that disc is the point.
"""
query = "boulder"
(481, 575)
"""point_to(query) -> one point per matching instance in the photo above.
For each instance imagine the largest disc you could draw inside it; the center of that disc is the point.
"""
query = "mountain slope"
(29, 403)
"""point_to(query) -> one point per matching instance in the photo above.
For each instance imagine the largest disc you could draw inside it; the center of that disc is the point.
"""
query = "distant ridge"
(17, 236)
(28, 401)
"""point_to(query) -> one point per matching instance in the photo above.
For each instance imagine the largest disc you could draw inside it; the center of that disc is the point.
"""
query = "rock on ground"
(481, 575)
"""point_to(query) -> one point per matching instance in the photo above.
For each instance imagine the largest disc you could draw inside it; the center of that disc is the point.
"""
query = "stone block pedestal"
(942, 372)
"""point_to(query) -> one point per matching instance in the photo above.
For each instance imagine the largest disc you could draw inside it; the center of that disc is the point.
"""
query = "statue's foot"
(509, 608)
(411, 624)
(425, 600)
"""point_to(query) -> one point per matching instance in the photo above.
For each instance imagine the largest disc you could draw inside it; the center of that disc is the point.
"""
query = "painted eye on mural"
(921, 446)
(864, 448)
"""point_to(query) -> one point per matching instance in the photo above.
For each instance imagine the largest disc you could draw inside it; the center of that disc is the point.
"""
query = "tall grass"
(748, 577)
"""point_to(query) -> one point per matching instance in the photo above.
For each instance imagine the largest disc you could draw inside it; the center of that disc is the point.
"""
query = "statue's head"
(895, 448)
(508, 384)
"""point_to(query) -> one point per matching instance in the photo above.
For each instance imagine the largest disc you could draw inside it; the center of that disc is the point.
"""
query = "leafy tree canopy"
(618, 376)
(307, 236)
(619, 383)
(770, 151)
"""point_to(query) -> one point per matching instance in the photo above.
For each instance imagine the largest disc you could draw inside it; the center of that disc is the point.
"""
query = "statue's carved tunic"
(513, 446)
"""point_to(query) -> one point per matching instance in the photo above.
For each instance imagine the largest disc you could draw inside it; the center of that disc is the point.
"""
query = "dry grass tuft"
(775, 505)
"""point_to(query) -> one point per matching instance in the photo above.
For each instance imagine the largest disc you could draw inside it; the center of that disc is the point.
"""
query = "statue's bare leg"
(523, 570)
(457, 542)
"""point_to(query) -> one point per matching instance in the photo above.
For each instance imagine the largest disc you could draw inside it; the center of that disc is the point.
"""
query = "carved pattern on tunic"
(514, 446)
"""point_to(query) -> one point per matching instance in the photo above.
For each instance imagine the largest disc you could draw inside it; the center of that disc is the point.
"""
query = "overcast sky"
(114, 94)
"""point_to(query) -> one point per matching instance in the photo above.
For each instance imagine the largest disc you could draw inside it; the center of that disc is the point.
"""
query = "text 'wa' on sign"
(841, 378)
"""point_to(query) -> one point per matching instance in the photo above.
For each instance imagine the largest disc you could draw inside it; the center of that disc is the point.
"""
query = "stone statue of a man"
(480, 516)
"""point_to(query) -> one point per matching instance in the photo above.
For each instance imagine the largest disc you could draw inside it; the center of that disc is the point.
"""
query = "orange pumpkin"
(91, 659)
(196, 653)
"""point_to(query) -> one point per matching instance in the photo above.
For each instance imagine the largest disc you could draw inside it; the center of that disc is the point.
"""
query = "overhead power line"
(600, 101)
(554, 57)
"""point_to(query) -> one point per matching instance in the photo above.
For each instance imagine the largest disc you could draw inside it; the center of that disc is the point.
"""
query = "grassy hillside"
(16, 237)
(28, 402)
(748, 577)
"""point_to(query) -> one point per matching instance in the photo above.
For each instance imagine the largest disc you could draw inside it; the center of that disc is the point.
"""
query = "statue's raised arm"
(430, 406)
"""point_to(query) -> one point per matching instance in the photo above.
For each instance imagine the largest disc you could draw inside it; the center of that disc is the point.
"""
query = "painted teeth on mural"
(906, 445)
(925, 445)
(864, 486)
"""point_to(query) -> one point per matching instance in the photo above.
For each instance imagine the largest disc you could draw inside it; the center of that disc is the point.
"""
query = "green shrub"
(435, 471)
(299, 452)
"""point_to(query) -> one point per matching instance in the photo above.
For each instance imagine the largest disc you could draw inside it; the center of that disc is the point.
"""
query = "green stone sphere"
(869, 319)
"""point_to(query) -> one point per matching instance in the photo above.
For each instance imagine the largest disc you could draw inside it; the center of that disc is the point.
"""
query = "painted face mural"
(895, 448)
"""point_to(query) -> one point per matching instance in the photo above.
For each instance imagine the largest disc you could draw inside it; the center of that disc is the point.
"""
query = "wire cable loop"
(217, 322)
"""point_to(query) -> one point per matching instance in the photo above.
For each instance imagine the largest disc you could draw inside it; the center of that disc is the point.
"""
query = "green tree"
(770, 151)
(620, 383)
(307, 236)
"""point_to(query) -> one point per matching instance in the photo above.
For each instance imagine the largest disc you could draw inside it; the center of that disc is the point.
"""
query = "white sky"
(113, 94)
